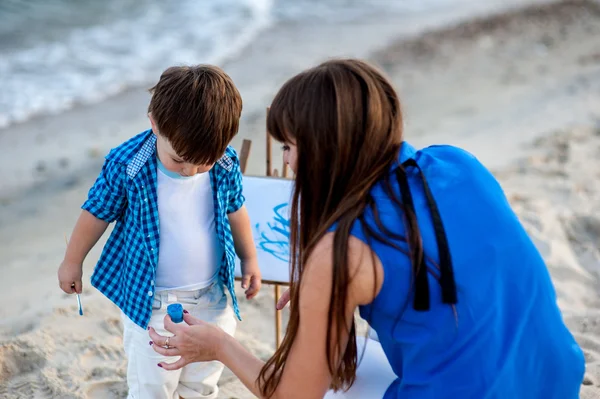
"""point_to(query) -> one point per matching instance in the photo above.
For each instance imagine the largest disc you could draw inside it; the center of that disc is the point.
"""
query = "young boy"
(175, 193)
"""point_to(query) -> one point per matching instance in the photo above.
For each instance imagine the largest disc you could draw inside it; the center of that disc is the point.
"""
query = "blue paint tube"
(175, 310)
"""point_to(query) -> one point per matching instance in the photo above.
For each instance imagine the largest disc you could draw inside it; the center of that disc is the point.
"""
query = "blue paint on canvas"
(274, 236)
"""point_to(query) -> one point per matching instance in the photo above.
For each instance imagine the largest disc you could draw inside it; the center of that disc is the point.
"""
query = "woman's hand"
(283, 299)
(196, 341)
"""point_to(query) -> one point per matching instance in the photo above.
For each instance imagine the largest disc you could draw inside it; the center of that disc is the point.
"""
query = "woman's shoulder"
(448, 153)
(452, 164)
(363, 265)
(440, 159)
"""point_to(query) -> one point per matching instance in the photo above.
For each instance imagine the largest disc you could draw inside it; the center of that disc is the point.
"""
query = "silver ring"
(167, 342)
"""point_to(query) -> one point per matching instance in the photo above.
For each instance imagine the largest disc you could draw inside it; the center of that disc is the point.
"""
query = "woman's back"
(505, 338)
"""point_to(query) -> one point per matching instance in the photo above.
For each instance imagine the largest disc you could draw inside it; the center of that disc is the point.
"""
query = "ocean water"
(55, 54)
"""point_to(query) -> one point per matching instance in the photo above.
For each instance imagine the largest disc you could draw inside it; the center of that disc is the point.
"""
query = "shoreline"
(47, 147)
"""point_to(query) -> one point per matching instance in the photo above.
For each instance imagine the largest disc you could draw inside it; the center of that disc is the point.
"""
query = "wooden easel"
(244, 154)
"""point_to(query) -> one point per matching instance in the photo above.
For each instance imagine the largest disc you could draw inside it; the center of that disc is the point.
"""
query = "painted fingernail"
(185, 311)
(159, 365)
(151, 343)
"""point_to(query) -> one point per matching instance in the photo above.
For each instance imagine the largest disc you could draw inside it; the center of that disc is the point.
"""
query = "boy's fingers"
(245, 281)
(78, 287)
(67, 288)
(64, 288)
(254, 288)
(251, 293)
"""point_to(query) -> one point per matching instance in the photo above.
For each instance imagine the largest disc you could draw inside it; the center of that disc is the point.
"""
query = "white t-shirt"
(189, 253)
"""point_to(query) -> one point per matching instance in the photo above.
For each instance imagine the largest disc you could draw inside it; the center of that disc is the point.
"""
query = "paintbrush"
(73, 286)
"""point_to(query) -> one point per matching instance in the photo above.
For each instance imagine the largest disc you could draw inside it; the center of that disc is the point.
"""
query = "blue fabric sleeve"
(236, 196)
(107, 198)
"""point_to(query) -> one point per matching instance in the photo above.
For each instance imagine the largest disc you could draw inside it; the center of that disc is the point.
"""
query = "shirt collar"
(148, 150)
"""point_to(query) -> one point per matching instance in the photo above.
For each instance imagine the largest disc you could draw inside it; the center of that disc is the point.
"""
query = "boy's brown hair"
(197, 109)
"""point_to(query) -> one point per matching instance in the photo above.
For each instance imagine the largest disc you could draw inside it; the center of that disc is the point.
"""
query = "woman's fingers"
(191, 320)
(157, 338)
(283, 299)
(173, 366)
(159, 344)
(169, 325)
(164, 351)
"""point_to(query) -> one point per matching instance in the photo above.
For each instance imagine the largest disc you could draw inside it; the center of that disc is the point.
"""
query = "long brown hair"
(345, 118)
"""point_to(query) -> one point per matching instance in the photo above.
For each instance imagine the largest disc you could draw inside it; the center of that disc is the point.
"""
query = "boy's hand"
(69, 277)
(251, 278)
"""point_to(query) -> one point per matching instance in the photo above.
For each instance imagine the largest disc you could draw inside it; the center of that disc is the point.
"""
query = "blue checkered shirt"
(125, 192)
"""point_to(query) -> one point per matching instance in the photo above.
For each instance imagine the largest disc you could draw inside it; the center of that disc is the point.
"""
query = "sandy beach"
(520, 90)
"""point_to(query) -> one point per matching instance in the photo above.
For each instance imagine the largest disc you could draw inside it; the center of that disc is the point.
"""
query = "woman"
(423, 242)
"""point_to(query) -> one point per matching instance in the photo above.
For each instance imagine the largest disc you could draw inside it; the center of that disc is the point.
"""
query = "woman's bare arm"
(306, 374)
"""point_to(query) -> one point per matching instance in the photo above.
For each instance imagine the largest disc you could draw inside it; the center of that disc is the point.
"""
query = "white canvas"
(267, 200)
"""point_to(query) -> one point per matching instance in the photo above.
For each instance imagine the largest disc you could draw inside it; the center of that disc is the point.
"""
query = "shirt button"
(145, 199)
(151, 249)
(150, 293)
(151, 282)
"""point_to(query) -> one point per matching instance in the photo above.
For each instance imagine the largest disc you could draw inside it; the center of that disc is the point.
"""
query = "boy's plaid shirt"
(125, 192)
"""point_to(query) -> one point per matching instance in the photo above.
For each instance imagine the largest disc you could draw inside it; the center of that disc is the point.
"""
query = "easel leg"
(277, 318)
(269, 171)
(244, 154)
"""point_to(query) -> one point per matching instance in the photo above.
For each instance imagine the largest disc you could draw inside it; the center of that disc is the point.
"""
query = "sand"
(521, 91)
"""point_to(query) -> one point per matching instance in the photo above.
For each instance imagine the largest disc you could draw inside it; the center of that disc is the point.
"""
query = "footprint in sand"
(107, 389)
(103, 373)
(20, 367)
(36, 384)
(583, 232)
(39, 386)
(99, 354)
(20, 327)
(18, 358)
(101, 363)
(557, 153)
(588, 226)
(112, 325)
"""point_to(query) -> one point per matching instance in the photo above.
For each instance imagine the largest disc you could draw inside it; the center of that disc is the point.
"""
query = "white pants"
(197, 380)
(373, 376)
